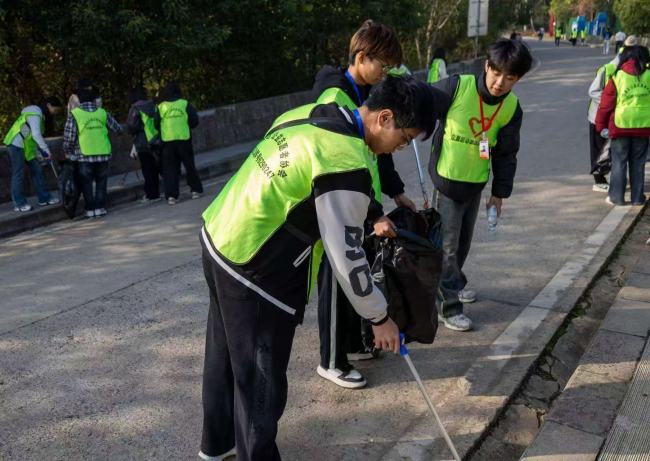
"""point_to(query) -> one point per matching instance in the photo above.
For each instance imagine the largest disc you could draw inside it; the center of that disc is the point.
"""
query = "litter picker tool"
(53, 170)
(421, 174)
(405, 353)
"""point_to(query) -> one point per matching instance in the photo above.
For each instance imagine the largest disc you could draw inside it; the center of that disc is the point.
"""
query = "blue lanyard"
(354, 86)
(362, 130)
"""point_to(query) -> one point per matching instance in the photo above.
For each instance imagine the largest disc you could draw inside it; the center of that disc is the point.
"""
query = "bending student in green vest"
(437, 66)
(175, 119)
(480, 130)
(304, 189)
(373, 49)
(86, 141)
(25, 144)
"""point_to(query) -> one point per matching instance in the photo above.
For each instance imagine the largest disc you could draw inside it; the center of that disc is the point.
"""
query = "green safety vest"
(609, 69)
(574, 34)
(632, 100)
(173, 120)
(558, 32)
(434, 71)
(341, 98)
(276, 177)
(583, 33)
(459, 155)
(93, 132)
(29, 145)
(150, 131)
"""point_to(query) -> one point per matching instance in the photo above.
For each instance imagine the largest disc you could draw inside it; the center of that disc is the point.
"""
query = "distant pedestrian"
(583, 37)
(558, 34)
(26, 145)
(624, 117)
(437, 66)
(540, 33)
(619, 38)
(85, 140)
(574, 35)
(607, 38)
(175, 118)
(146, 141)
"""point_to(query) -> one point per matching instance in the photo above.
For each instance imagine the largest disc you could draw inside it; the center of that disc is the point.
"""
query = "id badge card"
(484, 147)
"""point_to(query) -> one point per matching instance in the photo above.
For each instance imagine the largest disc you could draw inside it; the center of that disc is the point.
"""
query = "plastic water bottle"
(492, 219)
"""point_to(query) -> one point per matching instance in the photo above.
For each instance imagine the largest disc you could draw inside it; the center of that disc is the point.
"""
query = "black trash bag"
(407, 270)
(69, 188)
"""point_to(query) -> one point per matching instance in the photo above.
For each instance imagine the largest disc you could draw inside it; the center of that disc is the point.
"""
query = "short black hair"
(439, 53)
(86, 95)
(410, 100)
(52, 101)
(137, 94)
(171, 90)
(509, 56)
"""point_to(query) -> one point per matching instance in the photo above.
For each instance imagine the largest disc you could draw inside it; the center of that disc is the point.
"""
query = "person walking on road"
(146, 141)
(607, 38)
(480, 130)
(558, 34)
(598, 147)
(26, 145)
(624, 117)
(304, 189)
(344, 335)
(574, 35)
(86, 141)
(583, 37)
(175, 119)
(437, 66)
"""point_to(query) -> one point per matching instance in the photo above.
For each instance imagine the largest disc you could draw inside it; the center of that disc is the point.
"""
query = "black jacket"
(331, 77)
(503, 155)
(134, 125)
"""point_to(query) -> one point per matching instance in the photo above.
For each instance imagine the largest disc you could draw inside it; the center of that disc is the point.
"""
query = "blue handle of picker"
(402, 347)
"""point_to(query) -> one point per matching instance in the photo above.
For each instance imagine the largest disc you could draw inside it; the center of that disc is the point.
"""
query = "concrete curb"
(581, 417)
(16, 223)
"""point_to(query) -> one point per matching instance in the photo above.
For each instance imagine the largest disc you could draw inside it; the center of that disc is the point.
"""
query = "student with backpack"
(146, 141)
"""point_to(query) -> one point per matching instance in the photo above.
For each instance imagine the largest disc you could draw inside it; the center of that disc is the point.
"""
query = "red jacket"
(607, 107)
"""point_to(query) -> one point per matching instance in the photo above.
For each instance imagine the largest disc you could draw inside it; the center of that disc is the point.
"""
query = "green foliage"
(219, 51)
(634, 16)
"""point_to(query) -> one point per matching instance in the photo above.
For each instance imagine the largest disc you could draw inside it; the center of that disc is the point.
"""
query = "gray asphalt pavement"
(102, 322)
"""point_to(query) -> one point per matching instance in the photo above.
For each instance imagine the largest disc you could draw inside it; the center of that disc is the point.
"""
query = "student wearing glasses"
(374, 50)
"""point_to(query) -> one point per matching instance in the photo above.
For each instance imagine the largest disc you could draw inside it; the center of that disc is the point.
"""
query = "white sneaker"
(600, 187)
(90, 213)
(459, 322)
(363, 354)
(467, 296)
(609, 201)
(349, 379)
(100, 212)
(196, 195)
(52, 201)
(25, 207)
(228, 454)
(172, 201)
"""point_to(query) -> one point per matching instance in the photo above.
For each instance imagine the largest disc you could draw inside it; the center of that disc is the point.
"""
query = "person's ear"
(359, 57)
(487, 66)
(385, 115)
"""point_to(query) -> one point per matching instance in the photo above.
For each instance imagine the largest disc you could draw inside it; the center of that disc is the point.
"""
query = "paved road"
(102, 322)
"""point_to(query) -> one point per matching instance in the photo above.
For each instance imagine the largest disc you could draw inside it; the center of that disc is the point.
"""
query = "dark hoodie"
(503, 156)
(331, 77)
(134, 124)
